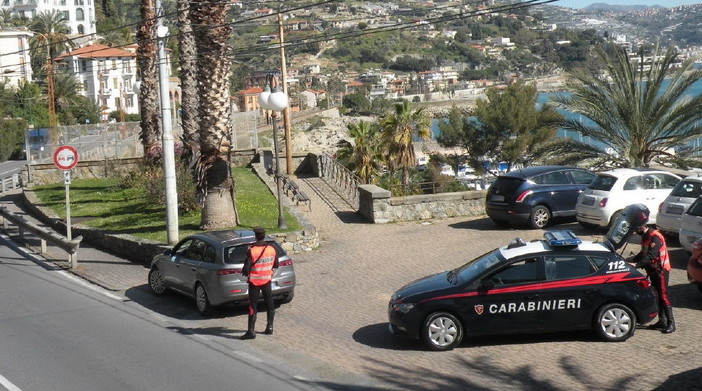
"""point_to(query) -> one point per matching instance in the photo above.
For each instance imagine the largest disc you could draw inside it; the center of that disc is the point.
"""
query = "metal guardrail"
(44, 234)
(343, 180)
(10, 183)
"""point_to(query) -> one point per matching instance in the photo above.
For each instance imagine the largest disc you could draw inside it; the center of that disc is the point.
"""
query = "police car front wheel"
(615, 322)
(442, 331)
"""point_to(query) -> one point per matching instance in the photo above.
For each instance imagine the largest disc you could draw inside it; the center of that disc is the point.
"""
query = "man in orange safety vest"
(260, 265)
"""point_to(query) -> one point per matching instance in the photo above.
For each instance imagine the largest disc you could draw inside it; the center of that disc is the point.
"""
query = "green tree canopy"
(508, 126)
(11, 136)
(639, 115)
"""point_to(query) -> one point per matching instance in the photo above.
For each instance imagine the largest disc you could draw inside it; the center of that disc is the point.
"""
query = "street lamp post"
(275, 101)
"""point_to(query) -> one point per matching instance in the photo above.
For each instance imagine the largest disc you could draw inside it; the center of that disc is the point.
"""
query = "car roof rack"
(562, 238)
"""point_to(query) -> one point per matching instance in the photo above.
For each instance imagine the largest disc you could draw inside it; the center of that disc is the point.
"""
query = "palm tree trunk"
(188, 81)
(148, 94)
(212, 163)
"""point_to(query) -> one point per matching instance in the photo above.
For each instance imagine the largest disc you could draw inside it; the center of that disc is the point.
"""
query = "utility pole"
(50, 93)
(284, 82)
(167, 130)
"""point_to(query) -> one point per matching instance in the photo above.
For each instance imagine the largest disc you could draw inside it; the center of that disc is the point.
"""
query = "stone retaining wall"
(378, 206)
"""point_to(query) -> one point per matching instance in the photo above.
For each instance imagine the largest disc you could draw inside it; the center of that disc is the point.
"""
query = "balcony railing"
(106, 91)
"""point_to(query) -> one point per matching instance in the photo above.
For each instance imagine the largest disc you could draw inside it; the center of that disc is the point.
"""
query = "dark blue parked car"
(535, 195)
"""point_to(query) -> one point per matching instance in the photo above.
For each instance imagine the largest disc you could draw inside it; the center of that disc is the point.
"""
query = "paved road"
(338, 316)
(57, 334)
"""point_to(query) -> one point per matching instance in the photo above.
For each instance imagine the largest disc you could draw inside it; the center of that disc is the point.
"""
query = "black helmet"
(637, 215)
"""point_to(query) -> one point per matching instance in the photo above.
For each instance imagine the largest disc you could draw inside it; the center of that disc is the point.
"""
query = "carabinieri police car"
(559, 283)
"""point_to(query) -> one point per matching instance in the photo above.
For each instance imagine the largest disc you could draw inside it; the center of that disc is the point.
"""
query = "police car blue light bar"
(563, 238)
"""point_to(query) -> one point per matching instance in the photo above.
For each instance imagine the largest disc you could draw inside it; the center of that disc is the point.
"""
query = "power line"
(255, 49)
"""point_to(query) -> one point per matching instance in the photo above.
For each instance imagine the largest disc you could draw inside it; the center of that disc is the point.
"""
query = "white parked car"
(691, 225)
(670, 212)
(447, 170)
(613, 190)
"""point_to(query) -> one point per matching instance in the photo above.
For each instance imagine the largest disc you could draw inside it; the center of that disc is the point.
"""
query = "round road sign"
(65, 157)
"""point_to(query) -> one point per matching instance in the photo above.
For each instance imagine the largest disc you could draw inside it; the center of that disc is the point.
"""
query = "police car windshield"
(474, 268)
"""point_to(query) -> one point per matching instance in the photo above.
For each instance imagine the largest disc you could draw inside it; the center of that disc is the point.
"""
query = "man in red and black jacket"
(654, 258)
(260, 265)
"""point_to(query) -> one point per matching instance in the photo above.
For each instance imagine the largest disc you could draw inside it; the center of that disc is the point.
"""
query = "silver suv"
(207, 267)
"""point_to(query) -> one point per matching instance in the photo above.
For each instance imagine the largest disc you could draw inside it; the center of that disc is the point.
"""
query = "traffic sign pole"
(66, 158)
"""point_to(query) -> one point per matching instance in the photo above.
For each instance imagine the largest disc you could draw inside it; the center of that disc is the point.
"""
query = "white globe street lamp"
(275, 101)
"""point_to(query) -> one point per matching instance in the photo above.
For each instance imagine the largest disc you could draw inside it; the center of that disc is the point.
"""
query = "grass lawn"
(103, 204)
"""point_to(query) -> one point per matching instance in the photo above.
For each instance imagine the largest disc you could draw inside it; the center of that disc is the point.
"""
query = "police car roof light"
(517, 242)
(562, 238)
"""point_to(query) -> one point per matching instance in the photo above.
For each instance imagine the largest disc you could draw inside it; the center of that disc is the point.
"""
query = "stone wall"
(378, 206)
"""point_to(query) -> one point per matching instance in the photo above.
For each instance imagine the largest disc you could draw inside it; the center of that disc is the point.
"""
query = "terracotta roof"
(252, 90)
(97, 51)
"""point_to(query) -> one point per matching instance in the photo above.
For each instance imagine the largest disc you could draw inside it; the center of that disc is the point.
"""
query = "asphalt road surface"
(60, 333)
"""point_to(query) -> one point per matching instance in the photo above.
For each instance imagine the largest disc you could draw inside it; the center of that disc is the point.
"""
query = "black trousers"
(255, 293)
(659, 280)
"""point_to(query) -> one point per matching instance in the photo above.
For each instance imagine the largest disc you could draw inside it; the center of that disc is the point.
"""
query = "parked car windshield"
(687, 189)
(474, 268)
(603, 182)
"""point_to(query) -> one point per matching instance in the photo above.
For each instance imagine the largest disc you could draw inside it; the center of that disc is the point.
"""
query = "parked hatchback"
(613, 190)
(671, 210)
(691, 225)
(208, 267)
(535, 195)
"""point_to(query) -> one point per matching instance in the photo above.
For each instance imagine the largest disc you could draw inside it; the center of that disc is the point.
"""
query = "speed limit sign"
(65, 157)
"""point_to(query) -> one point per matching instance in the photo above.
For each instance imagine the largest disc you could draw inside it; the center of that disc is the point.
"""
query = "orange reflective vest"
(262, 261)
(662, 260)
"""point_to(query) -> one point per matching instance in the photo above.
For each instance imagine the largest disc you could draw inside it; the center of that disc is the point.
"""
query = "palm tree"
(212, 161)
(67, 90)
(50, 39)
(364, 155)
(634, 111)
(6, 18)
(398, 132)
(188, 72)
(148, 93)
(114, 38)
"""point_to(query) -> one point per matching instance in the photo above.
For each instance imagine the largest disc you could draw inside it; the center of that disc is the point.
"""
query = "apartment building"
(79, 15)
(107, 75)
(15, 65)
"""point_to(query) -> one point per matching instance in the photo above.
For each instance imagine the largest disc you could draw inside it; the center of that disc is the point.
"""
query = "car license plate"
(497, 198)
(588, 201)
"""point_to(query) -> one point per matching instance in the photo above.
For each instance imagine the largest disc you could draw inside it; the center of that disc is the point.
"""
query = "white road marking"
(8, 385)
(38, 259)
(89, 285)
(247, 357)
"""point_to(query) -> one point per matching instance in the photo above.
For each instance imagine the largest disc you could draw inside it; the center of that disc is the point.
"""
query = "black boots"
(662, 321)
(269, 324)
(670, 326)
(250, 333)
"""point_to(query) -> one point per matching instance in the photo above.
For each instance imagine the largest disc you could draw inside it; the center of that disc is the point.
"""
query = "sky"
(585, 3)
